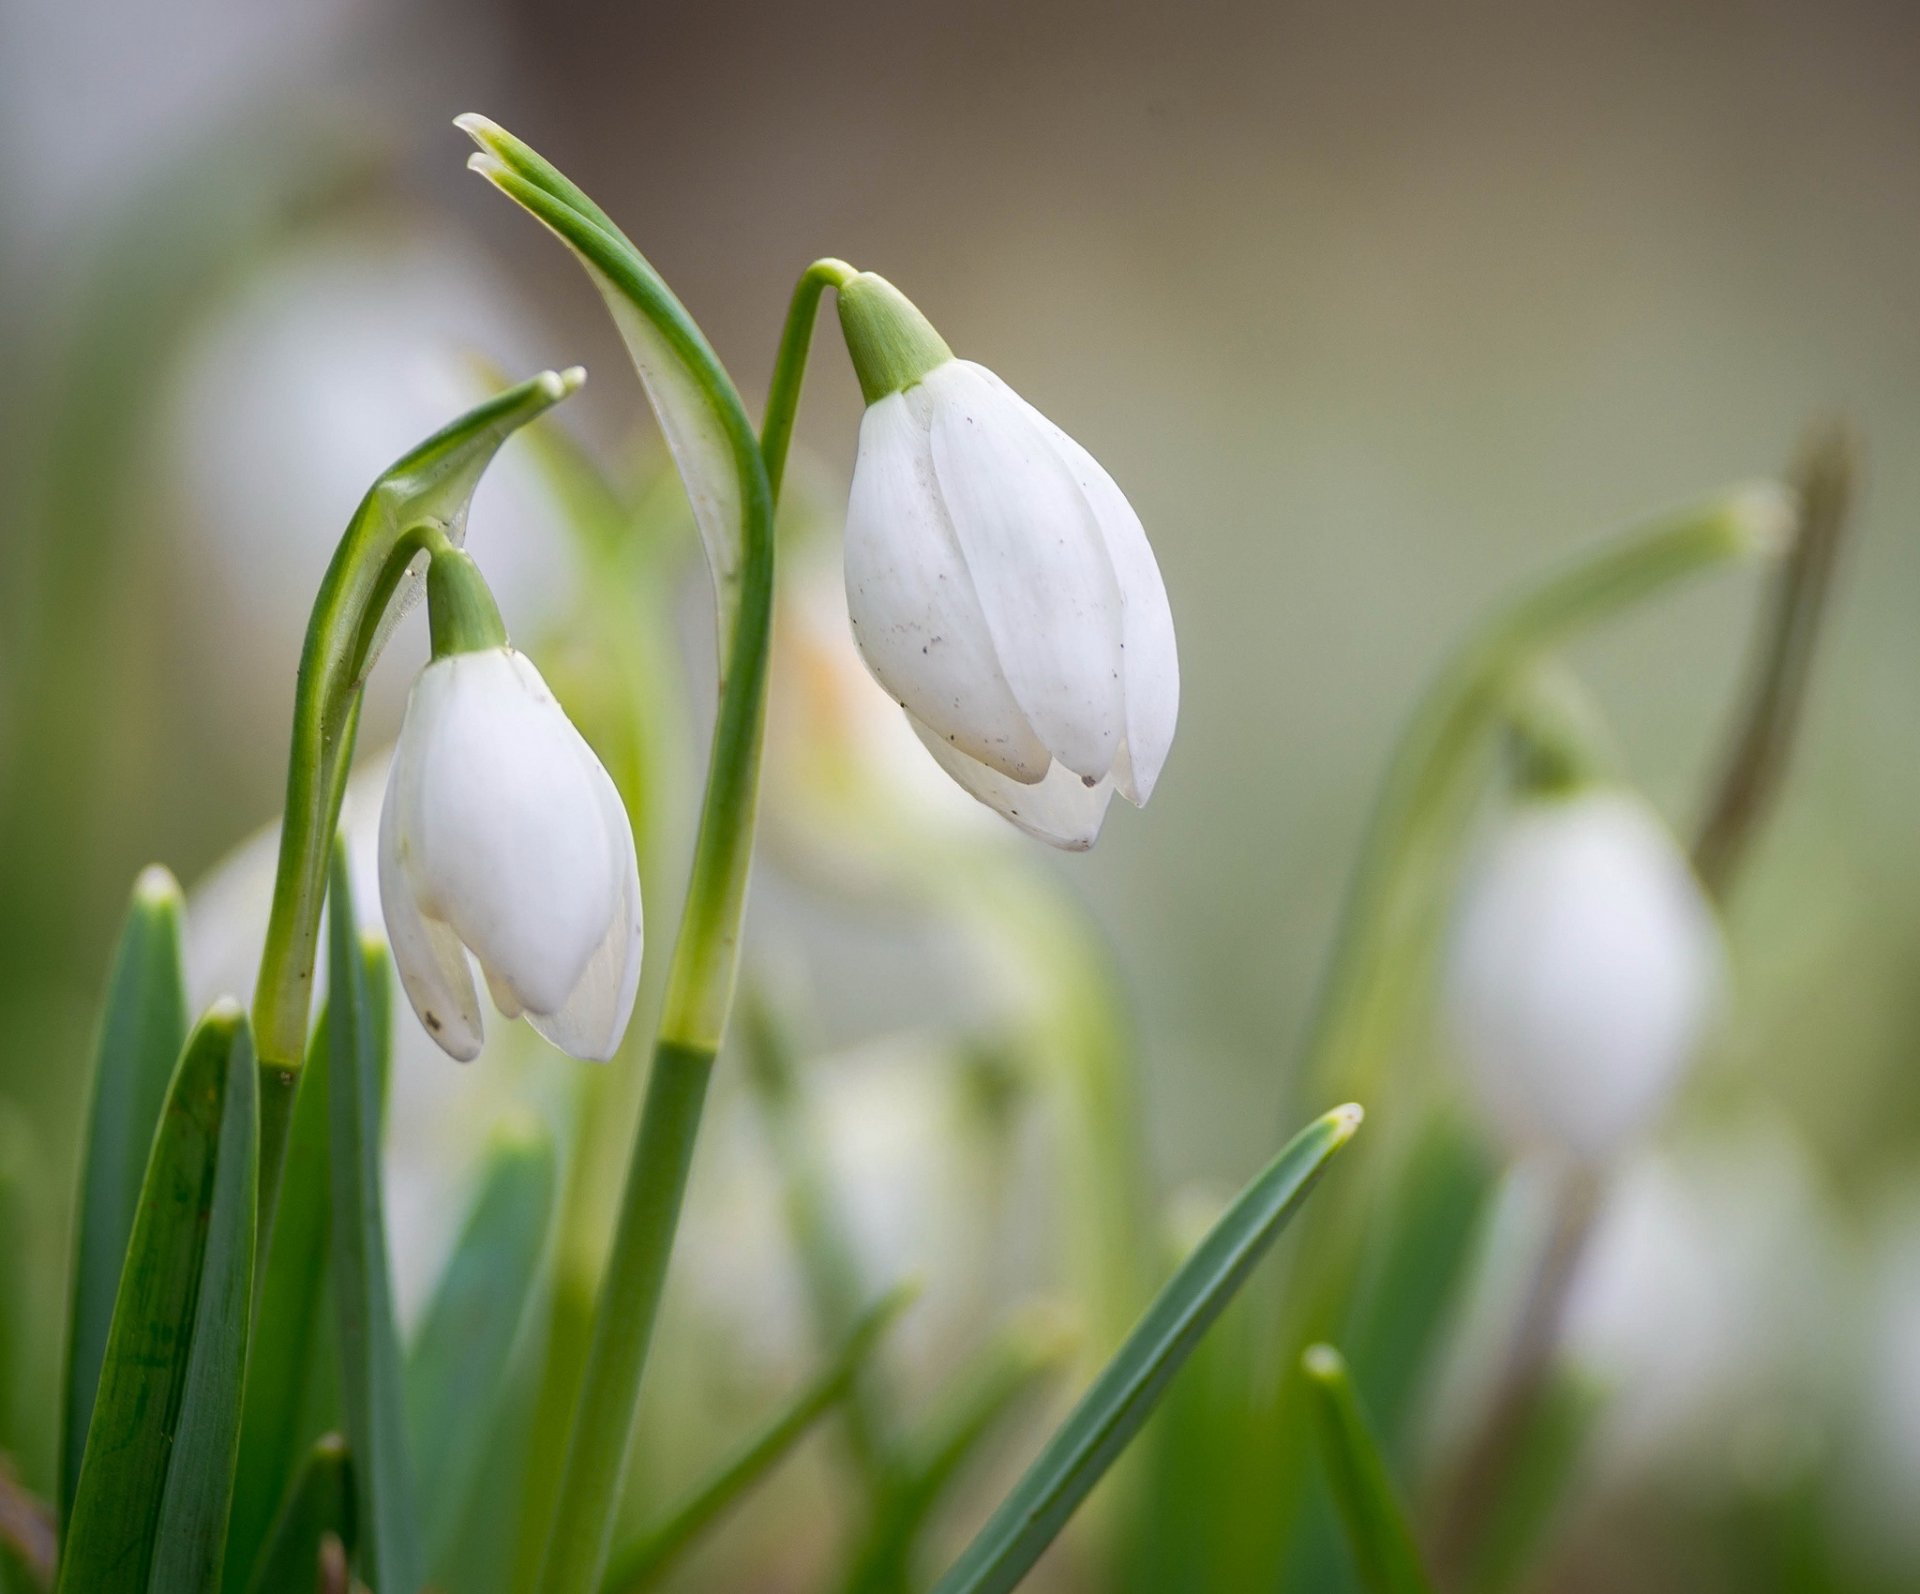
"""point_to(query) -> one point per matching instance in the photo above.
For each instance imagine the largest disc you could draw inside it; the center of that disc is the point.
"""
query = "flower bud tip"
(1322, 1363)
(156, 887)
(1763, 516)
(224, 1011)
(558, 384)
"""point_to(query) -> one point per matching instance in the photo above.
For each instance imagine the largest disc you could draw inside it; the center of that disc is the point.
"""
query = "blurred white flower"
(325, 365)
(503, 835)
(1709, 1306)
(1002, 590)
(1878, 1485)
(1584, 970)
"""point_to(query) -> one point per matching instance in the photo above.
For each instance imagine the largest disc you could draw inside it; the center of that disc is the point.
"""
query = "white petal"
(1061, 810)
(1038, 560)
(508, 847)
(915, 614)
(1151, 671)
(1584, 971)
(592, 1021)
(427, 954)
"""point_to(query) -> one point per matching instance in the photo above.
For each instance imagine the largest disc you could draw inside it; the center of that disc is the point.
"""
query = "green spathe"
(892, 345)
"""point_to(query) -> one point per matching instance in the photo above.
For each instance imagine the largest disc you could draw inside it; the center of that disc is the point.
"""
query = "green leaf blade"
(320, 1503)
(1370, 1509)
(290, 1342)
(1122, 1397)
(166, 1418)
(143, 1027)
(459, 1371)
(373, 1393)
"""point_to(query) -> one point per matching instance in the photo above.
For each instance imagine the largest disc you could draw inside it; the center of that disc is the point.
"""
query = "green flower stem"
(705, 420)
(423, 496)
(1373, 970)
(790, 364)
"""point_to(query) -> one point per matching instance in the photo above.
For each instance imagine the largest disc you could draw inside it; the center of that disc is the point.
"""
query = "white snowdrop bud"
(502, 835)
(1000, 585)
(1584, 969)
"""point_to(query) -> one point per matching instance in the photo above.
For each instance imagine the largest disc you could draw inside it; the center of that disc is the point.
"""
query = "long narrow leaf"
(458, 1372)
(290, 1336)
(1370, 1508)
(1111, 1412)
(161, 1442)
(372, 1390)
(320, 1503)
(142, 1028)
(642, 1564)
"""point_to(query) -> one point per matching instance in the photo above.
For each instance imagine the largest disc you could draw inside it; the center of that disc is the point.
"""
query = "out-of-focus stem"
(1758, 751)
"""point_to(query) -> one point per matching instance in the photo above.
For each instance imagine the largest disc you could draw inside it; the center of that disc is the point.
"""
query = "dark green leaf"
(1111, 1412)
(373, 1393)
(642, 1564)
(142, 1029)
(1370, 1508)
(459, 1369)
(319, 1503)
(290, 1335)
(162, 1442)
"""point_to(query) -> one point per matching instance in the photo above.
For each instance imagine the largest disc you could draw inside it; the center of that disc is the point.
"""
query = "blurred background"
(1373, 311)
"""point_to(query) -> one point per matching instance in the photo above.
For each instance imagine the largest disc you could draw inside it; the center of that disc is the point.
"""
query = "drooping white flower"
(1000, 585)
(503, 836)
(1584, 970)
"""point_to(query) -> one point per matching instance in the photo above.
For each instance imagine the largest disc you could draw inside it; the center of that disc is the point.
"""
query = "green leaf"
(290, 1341)
(319, 1503)
(1370, 1508)
(643, 1563)
(1111, 1412)
(373, 1393)
(706, 430)
(165, 1429)
(459, 1370)
(142, 1028)
(1011, 1370)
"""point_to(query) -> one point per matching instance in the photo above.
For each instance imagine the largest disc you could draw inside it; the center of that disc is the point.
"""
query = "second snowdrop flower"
(1000, 585)
(1585, 968)
(502, 836)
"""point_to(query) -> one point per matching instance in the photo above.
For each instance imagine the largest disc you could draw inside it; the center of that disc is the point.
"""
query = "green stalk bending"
(1388, 909)
(719, 458)
(425, 493)
(790, 364)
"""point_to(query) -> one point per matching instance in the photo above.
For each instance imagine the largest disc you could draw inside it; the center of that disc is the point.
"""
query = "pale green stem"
(790, 364)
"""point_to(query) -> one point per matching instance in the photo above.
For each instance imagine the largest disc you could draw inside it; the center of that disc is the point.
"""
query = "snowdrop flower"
(1584, 970)
(503, 836)
(1000, 585)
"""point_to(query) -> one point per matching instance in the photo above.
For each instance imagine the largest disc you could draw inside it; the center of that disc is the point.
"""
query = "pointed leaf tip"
(157, 888)
(1323, 1363)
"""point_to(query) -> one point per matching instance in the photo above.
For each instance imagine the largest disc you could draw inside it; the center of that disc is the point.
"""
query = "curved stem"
(422, 497)
(790, 364)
